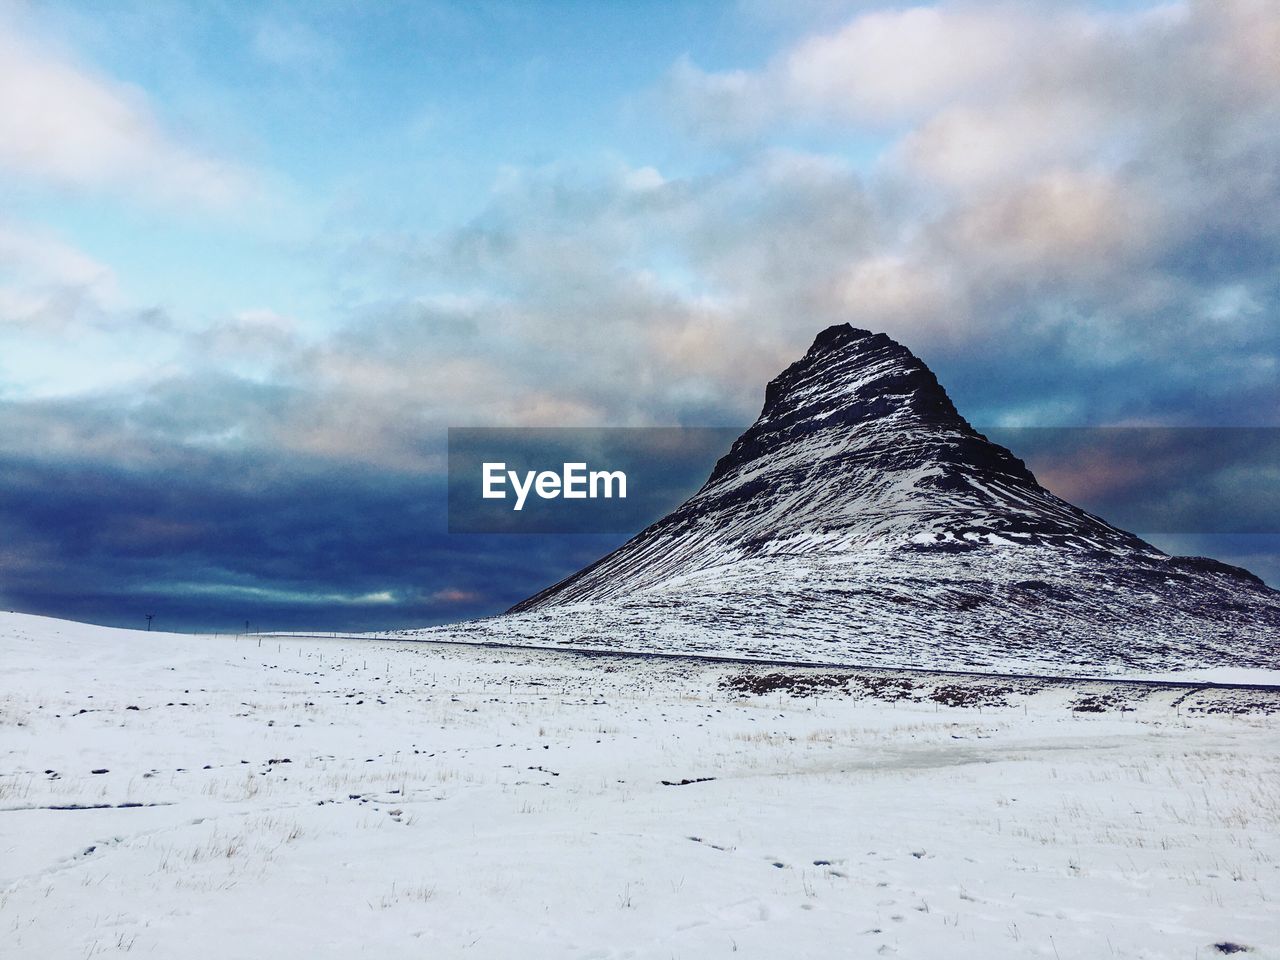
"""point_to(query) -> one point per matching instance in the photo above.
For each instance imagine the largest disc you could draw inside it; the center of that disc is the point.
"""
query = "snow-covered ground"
(311, 798)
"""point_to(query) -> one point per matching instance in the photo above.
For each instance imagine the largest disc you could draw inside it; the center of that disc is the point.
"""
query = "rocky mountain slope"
(862, 520)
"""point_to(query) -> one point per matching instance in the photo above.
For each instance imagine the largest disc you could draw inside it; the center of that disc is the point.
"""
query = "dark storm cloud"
(209, 538)
(1168, 480)
(211, 501)
(279, 542)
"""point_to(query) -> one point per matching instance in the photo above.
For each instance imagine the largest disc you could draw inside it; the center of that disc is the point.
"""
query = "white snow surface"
(314, 798)
(1230, 676)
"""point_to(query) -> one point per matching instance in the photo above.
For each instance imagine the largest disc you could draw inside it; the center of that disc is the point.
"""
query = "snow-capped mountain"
(861, 519)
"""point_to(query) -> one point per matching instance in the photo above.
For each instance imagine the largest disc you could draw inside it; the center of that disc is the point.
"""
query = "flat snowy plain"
(222, 797)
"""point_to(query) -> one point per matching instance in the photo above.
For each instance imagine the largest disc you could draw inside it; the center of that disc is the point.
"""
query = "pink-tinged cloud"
(1095, 475)
(455, 595)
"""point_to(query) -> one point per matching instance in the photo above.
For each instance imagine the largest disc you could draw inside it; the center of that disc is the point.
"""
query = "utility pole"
(149, 616)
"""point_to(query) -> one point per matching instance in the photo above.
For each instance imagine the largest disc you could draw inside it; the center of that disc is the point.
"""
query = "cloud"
(64, 124)
(268, 538)
(616, 295)
(883, 67)
(890, 64)
(974, 93)
(1080, 184)
(454, 595)
(48, 284)
(1026, 209)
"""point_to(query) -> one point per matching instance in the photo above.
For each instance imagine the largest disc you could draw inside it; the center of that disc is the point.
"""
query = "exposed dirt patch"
(970, 695)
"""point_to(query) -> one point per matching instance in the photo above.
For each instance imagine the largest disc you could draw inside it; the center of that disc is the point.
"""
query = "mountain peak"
(858, 375)
(865, 391)
(837, 335)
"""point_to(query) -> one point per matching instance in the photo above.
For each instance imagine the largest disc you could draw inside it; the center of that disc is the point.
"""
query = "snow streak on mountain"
(862, 520)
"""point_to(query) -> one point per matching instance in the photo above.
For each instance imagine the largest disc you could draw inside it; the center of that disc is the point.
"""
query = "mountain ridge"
(862, 519)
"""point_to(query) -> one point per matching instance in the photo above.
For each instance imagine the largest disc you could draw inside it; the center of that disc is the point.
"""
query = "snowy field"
(222, 797)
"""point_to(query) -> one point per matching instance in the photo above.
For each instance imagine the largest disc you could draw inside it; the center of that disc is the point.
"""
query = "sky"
(255, 259)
